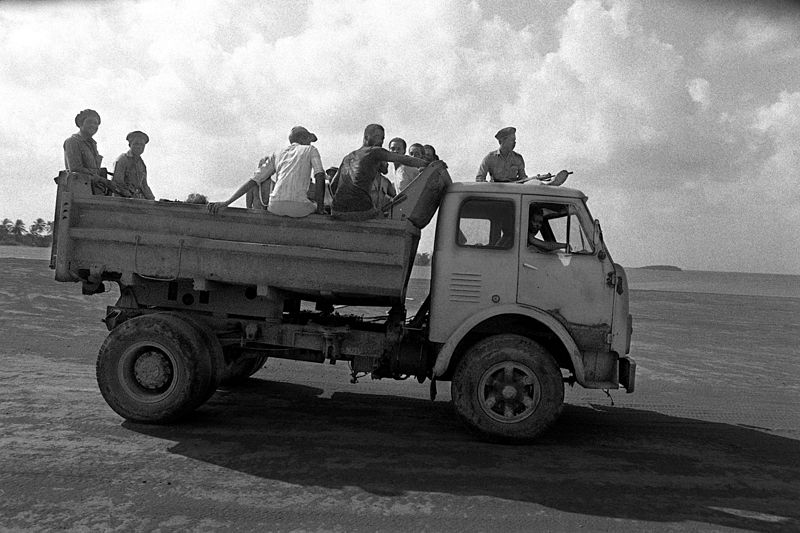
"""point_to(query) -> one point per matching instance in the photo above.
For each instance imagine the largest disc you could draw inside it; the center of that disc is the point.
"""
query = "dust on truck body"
(205, 300)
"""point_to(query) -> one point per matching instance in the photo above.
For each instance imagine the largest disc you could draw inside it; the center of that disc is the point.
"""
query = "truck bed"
(363, 263)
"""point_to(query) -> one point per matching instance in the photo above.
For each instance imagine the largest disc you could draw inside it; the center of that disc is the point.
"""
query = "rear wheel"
(213, 345)
(507, 388)
(155, 368)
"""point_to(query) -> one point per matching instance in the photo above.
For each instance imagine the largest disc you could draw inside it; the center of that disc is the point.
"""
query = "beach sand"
(710, 440)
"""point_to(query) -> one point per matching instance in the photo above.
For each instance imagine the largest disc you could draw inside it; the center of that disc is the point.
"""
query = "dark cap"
(299, 132)
(132, 135)
(505, 132)
(332, 170)
(83, 115)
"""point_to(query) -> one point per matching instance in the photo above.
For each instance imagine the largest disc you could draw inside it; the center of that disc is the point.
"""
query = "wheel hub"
(509, 392)
(152, 370)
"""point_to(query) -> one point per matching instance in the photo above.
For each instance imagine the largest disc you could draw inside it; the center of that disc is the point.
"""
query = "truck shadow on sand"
(598, 460)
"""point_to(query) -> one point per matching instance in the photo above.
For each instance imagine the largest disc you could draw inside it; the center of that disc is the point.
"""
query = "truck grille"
(465, 287)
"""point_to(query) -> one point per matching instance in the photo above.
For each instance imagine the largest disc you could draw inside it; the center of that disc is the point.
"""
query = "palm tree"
(38, 227)
(18, 229)
(49, 227)
(6, 226)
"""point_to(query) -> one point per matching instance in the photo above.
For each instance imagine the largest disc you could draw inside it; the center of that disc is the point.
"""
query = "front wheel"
(507, 388)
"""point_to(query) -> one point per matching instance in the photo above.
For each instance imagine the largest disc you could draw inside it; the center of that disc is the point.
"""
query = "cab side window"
(484, 223)
(557, 227)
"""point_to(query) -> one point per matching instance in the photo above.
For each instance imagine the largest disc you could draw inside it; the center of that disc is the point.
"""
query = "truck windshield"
(484, 223)
(556, 226)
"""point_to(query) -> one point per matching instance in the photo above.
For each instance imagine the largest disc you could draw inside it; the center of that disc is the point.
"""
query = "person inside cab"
(539, 235)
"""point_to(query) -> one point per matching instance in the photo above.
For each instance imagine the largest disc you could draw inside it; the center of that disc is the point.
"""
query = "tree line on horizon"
(39, 233)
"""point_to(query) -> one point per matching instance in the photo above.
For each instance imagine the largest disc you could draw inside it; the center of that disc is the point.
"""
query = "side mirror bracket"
(597, 240)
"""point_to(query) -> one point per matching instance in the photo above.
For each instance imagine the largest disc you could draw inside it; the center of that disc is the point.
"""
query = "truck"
(524, 297)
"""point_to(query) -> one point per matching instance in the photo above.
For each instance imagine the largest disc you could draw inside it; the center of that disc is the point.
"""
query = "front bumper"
(627, 374)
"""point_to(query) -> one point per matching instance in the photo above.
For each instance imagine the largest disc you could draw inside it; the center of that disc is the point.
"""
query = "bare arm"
(216, 207)
(483, 170)
(406, 160)
(545, 245)
(521, 174)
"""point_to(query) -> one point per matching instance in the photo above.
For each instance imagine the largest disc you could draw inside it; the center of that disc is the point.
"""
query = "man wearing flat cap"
(503, 164)
(130, 172)
(290, 169)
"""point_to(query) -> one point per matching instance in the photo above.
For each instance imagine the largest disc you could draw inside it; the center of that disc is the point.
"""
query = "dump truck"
(524, 297)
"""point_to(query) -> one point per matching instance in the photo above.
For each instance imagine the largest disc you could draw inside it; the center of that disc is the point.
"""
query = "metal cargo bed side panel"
(313, 255)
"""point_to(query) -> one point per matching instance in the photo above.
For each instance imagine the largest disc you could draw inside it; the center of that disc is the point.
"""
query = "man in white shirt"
(400, 175)
(292, 168)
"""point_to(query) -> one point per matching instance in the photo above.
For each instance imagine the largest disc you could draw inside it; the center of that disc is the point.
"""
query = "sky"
(679, 119)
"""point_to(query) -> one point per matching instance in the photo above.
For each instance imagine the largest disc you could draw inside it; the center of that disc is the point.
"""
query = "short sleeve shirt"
(292, 168)
(401, 175)
(502, 168)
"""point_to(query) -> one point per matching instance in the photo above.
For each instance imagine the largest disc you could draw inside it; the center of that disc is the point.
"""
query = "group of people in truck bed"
(365, 181)
(292, 181)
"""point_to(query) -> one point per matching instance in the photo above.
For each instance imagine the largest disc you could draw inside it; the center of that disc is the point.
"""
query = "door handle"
(528, 265)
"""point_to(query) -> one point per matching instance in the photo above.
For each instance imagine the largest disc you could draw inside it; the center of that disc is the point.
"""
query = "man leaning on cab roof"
(503, 164)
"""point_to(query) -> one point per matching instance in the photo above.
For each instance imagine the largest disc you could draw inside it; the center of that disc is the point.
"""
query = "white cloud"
(218, 84)
(779, 124)
(752, 36)
(698, 90)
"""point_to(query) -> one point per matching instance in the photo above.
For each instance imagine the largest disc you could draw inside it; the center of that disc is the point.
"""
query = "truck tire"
(507, 388)
(155, 368)
(214, 347)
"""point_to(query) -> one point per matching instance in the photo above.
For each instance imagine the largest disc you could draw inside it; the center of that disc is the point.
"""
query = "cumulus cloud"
(218, 84)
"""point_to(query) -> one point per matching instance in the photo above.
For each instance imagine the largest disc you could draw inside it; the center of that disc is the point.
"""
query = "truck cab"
(528, 259)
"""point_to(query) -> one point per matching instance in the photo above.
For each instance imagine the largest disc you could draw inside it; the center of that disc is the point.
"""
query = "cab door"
(562, 273)
(474, 265)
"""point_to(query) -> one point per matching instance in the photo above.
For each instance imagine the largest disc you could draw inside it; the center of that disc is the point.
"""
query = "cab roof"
(531, 187)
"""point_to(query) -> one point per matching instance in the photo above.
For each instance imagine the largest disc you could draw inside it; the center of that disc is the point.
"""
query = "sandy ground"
(709, 441)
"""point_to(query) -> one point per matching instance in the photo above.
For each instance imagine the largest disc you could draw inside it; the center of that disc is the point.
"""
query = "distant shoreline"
(43, 254)
(663, 267)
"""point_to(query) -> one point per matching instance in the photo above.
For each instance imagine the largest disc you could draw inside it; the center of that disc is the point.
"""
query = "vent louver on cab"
(465, 287)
